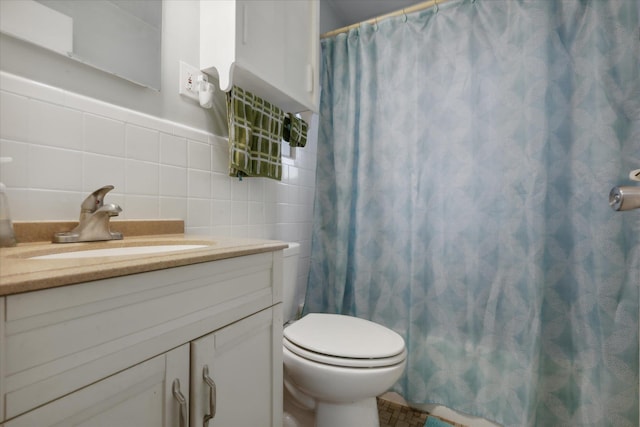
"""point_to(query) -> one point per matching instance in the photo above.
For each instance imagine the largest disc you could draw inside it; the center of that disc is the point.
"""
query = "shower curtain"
(465, 156)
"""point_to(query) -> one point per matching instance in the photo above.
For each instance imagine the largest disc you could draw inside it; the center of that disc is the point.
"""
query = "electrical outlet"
(188, 84)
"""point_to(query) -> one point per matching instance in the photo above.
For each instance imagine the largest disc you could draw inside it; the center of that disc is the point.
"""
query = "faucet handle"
(94, 201)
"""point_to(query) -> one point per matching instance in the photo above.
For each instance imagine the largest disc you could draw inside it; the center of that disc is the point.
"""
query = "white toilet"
(334, 365)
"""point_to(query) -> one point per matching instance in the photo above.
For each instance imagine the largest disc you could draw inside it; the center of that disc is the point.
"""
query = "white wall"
(180, 41)
(71, 129)
(329, 18)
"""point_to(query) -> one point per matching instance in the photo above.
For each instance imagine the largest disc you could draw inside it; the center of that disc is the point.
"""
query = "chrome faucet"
(94, 220)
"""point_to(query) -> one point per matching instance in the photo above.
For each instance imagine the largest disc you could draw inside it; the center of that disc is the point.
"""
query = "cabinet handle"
(212, 394)
(181, 401)
(309, 78)
(245, 25)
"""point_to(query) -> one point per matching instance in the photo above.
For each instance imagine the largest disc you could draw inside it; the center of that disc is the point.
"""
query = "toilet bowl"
(336, 365)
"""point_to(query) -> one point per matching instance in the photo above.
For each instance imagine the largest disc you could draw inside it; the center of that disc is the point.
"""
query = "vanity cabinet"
(133, 350)
(270, 48)
(239, 360)
(140, 396)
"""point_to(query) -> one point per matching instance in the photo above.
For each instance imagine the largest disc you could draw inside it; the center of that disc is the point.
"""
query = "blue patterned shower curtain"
(465, 157)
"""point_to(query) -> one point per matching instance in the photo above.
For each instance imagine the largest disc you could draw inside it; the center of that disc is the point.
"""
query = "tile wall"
(65, 145)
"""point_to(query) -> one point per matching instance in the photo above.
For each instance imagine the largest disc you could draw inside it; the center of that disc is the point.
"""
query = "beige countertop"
(19, 273)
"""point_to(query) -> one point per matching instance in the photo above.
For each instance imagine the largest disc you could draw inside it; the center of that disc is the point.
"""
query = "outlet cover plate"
(188, 84)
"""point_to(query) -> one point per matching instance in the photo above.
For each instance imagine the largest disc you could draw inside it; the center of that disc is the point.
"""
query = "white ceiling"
(353, 11)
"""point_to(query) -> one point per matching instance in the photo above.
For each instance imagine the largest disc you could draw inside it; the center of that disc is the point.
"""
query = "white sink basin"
(128, 250)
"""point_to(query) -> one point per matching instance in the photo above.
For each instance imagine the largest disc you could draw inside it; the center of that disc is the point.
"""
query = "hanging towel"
(255, 134)
(295, 131)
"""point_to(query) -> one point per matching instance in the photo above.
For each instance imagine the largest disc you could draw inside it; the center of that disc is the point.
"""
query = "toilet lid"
(344, 336)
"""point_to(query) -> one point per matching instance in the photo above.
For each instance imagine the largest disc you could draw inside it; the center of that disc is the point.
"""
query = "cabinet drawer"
(59, 340)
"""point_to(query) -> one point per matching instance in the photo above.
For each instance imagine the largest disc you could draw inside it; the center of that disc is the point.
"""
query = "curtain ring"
(375, 24)
(435, 5)
(404, 16)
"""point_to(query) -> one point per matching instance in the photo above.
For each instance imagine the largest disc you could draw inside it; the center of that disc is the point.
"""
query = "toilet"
(334, 365)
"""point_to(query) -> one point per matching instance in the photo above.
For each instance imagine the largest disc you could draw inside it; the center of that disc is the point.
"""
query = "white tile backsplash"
(173, 181)
(199, 155)
(173, 207)
(99, 170)
(221, 187)
(173, 150)
(54, 169)
(15, 173)
(64, 146)
(141, 207)
(199, 184)
(14, 120)
(142, 143)
(54, 125)
(142, 178)
(103, 136)
(198, 212)
(220, 213)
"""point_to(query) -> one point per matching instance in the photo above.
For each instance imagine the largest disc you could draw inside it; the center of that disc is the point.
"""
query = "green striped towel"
(295, 131)
(255, 135)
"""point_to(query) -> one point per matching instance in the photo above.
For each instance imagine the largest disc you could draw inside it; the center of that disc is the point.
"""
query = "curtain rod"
(406, 10)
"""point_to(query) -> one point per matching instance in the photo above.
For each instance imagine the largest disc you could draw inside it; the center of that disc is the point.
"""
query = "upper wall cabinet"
(269, 47)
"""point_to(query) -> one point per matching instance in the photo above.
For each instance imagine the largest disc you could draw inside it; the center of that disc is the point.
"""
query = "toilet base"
(363, 413)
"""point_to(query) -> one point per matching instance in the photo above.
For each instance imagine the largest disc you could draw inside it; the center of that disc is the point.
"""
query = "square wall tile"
(256, 231)
(142, 143)
(220, 213)
(99, 171)
(198, 212)
(54, 169)
(199, 184)
(198, 231)
(61, 205)
(173, 150)
(199, 155)
(239, 213)
(256, 213)
(256, 189)
(173, 208)
(142, 178)
(173, 181)
(240, 189)
(222, 231)
(240, 231)
(103, 136)
(270, 213)
(16, 172)
(140, 207)
(14, 117)
(54, 125)
(221, 187)
(220, 159)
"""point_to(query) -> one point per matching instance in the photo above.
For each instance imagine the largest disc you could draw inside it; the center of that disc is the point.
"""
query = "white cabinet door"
(244, 360)
(140, 396)
(270, 48)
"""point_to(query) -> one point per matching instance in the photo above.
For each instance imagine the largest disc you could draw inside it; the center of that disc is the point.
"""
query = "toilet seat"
(344, 341)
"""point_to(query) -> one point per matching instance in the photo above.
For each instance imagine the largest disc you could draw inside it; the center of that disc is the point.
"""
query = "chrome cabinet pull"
(212, 394)
(181, 401)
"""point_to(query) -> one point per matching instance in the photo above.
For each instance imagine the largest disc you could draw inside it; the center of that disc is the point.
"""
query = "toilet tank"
(291, 296)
